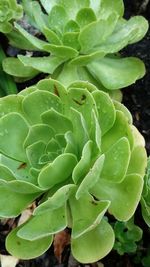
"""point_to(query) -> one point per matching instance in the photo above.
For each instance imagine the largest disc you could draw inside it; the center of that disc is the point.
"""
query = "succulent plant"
(74, 153)
(82, 40)
(145, 199)
(7, 84)
(127, 234)
(9, 11)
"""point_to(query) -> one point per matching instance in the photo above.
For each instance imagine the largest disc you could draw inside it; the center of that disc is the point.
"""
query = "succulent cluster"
(82, 41)
(127, 234)
(9, 11)
(75, 153)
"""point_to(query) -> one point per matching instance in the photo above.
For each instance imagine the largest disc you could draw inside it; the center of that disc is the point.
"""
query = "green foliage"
(145, 200)
(78, 151)
(83, 39)
(7, 85)
(146, 259)
(9, 11)
(127, 234)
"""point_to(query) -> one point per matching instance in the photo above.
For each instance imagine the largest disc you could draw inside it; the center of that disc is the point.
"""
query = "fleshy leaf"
(101, 29)
(83, 102)
(108, 6)
(105, 109)
(71, 26)
(116, 73)
(85, 16)
(44, 64)
(34, 153)
(25, 249)
(116, 161)
(141, 31)
(21, 170)
(20, 41)
(64, 52)
(54, 87)
(11, 103)
(32, 39)
(48, 4)
(86, 214)
(138, 161)
(70, 39)
(44, 101)
(51, 36)
(58, 17)
(91, 178)
(38, 132)
(83, 60)
(32, 230)
(60, 123)
(121, 128)
(14, 202)
(57, 171)
(12, 137)
(83, 251)
(120, 107)
(84, 164)
(57, 200)
(6, 173)
(124, 196)
(15, 67)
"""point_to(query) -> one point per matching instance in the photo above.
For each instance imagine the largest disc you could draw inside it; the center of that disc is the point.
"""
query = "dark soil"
(137, 97)
(137, 100)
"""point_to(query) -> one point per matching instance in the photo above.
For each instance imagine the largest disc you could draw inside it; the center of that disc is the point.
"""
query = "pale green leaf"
(86, 214)
(42, 64)
(15, 67)
(138, 161)
(24, 249)
(124, 196)
(84, 164)
(59, 123)
(36, 42)
(99, 29)
(12, 137)
(105, 109)
(57, 200)
(116, 161)
(85, 16)
(116, 73)
(62, 51)
(121, 128)
(57, 171)
(82, 249)
(12, 203)
(44, 101)
(52, 222)
(92, 177)
(39, 132)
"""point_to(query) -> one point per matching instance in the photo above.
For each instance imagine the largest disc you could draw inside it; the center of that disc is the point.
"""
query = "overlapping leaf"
(77, 153)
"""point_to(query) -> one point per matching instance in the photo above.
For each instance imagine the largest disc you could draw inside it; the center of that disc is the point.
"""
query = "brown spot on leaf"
(22, 166)
(94, 203)
(77, 102)
(56, 90)
(83, 97)
(81, 102)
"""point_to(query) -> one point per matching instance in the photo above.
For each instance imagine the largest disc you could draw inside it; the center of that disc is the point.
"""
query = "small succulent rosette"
(9, 11)
(75, 153)
(82, 41)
